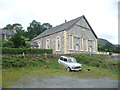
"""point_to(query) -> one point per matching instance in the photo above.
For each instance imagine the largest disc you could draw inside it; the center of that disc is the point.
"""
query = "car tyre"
(68, 69)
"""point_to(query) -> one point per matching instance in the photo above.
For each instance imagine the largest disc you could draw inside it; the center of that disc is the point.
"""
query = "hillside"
(102, 42)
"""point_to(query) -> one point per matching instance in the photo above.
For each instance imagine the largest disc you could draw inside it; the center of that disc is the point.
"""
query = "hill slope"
(102, 42)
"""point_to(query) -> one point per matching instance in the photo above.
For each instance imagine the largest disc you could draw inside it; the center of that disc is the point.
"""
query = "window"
(61, 58)
(48, 44)
(65, 59)
(70, 42)
(39, 44)
(58, 44)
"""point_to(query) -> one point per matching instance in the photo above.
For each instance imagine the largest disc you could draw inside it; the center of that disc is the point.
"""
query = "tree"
(27, 45)
(31, 33)
(8, 27)
(108, 47)
(46, 26)
(36, 28)
(17, 40)
(117, 49)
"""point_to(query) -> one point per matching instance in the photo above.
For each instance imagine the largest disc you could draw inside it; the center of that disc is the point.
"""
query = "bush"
(8, 44)
(19, 61)
(25, 50)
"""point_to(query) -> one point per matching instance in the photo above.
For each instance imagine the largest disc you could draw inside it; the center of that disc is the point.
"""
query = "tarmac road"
(68, 82)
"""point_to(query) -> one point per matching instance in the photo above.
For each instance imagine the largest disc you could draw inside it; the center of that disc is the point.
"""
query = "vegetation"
(106, 46)
(35, 28)
(95, 61)
(26, 51)
(8, 44)
(17, 67)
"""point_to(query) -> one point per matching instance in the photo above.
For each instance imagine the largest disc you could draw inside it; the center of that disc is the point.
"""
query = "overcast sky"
(101, 14)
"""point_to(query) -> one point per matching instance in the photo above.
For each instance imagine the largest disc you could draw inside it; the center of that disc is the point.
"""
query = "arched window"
(58, 43)
(48, 44)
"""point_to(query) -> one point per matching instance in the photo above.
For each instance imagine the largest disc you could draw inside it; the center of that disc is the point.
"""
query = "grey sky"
(101, 14)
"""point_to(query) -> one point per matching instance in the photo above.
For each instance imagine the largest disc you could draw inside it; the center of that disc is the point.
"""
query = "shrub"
(27, 51)
(8, 44)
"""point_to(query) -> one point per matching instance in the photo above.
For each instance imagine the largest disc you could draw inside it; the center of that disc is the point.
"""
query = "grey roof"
(62, 27)
(33, 43)
(7, 32)
(58, 28)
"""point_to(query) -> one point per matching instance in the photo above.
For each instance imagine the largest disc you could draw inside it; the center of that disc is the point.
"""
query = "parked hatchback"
(70, 63)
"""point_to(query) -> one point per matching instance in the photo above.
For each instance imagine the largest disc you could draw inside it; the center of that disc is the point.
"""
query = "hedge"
(26, 51)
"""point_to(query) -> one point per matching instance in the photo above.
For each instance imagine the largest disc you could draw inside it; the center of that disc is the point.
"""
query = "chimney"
(65, 21)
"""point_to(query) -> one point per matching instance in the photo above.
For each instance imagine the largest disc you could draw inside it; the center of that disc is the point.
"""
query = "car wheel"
(68, 69)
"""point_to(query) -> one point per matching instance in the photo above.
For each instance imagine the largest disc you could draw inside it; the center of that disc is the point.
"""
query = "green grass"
(19, 68)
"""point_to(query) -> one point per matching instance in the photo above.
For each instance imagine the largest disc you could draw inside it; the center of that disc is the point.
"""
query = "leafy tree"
(117, 49)
(17, 40)
(36, 28)
(27, 45)
(108, 47)
(31, 33)
(46, 26)
(8, 27)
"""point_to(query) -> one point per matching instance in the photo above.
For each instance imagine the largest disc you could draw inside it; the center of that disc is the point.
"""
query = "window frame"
(58, 38)
(71, 41)
(47, 44)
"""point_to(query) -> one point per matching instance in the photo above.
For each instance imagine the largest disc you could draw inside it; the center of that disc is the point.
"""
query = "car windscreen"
(72, 60)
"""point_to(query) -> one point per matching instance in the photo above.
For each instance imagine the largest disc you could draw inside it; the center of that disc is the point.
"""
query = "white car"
(70, 63)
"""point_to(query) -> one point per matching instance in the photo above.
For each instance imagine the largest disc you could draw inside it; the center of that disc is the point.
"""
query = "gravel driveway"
(65, 81)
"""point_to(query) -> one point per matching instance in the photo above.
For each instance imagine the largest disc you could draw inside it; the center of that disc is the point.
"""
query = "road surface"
(65, 81)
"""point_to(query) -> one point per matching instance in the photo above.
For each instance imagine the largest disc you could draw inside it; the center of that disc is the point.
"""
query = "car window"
(72, 60)
(61, 58)
(65, 59)
(69, 60)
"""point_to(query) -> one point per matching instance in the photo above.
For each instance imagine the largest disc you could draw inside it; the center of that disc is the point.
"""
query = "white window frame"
(48, 43)
(58, 38)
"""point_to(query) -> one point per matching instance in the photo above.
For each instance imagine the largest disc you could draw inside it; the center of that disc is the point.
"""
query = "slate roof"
(6, 32)
(33, 43)
(62, 27)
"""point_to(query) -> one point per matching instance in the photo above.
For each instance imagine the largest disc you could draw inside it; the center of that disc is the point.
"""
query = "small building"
(75, 36)
(6, 34)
